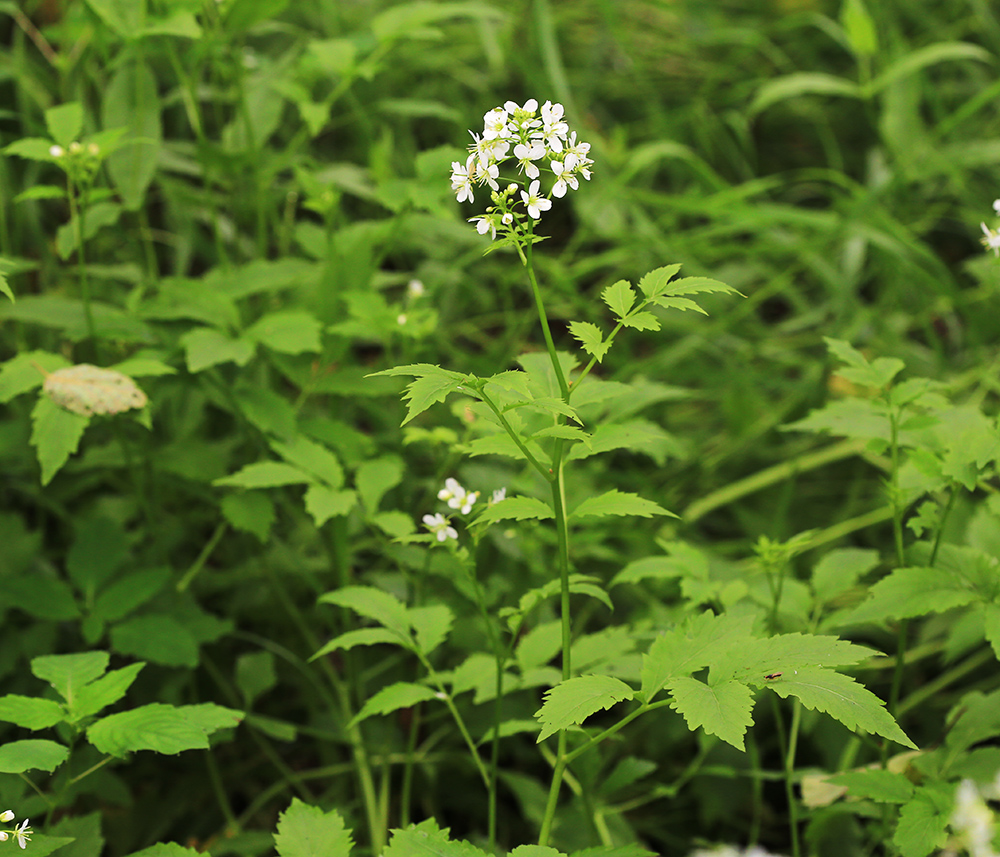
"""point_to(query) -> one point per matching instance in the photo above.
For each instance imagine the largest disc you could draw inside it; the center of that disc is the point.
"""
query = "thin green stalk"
(514, 436)
(793, 806)
(77, 212)
(897, 533)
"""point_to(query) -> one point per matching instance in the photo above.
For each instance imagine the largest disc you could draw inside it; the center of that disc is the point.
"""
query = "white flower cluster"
(973, 820)
(21, 832)
(457, 498)
(733, 851)
(530, 136)
(991, 237)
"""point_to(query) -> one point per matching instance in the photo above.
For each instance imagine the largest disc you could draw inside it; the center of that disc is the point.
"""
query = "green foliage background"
(270, 178)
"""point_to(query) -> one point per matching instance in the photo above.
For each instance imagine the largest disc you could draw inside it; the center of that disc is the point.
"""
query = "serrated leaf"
(720, 709)
(516, 508)
(574, 700)
(657, 281)
(636, 435)
(156, 637)
(402, 694)
(205, 347)
(923, 823)
(427, 391)
(431, 625)
(5, 288)
(68, 673)
(991, 623)
(265, 474)
(251, 512)
(616, 502)
(590, 337)
(375, 604)
(33, 754)
(162, 728)
(840, 569)
(312, 457)
(358, 637)
(691, 647)
(565, 432)
(641, 321)
(908, 592)
(103, 691)
(682, 304)
(843, 699)
(619, 297)
(55, 434)
(30, 713)
(26, 372)
(754, 659)
(376, 477)
(308, 831)
(425, 840)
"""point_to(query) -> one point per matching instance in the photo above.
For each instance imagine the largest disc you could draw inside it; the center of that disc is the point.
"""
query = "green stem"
(514, 436)
(793, 806)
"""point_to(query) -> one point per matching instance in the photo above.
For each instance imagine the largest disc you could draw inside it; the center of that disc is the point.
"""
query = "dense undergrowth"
(226, 606)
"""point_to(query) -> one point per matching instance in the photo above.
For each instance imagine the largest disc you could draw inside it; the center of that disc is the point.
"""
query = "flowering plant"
(21, 832)
(530, 137)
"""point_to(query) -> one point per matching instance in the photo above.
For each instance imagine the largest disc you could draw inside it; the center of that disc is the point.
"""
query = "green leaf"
(99, 215)
(516, 508)
(124, 17)
(682, 304)
(358, 637)
(5, 289)
(720, 709)
(433, 385)
(425, 840)
(251, 512)
(34, 754)
(323, 503)
(753, 659)
(255, 675)
(102, 692)
(375, 604)
(923, 822)
(402, 694)
(642, 321)
(840, 569)
(308, 831)
(913, 61)
(26, 372)
(636, 435)
(843, 699)
(859, 27)
(30, 713)
(205, 347)
(65, 122)
(32, 148)
(156, 637)
(881, 786)
(162, 728)
(591, 338)
(68, 673)
(289, 332)
(312, 457)
(619, 297)
(265, 474)
(879, 373)
(908, 592)
(42, 597)
(692, 646)
(98, 549)
(991, 622)
(55, 434)
(657, 281)
(571, 702)
(801, 83)
(131, 100)
(616, 502)
(167, 849)
(375, 478)
(431, 625)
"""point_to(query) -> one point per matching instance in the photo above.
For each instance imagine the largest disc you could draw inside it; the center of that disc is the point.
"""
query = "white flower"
(401, 319)
(564, 178)
(487, 174)
(533, 202)
(498, 495)
(415, 288)
(495, 124)
(457, 497)
(3, 835)
(440, 526)
(488, 151)
(22, 833)
(990, 239)
(526, 153)
(6, 815)
(56, 151)
(996, 206)
(554, 130)
(461, 181)
(973, 820)
(522, 119)
(484, 223)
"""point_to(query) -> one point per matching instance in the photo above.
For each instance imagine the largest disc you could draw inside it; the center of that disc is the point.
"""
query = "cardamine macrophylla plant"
(21, 833)
(545, 413)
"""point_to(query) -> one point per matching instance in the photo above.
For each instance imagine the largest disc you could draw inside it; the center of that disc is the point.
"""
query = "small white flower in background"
(457, 497)
(498, 495)
(440, 526)
(401, 319)
(990, 239)
(996, 206)
(538, 141)
(56, 151)
(415, 288)
(973, 820)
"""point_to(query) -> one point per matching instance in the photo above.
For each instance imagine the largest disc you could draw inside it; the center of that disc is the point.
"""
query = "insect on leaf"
(88, 390)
